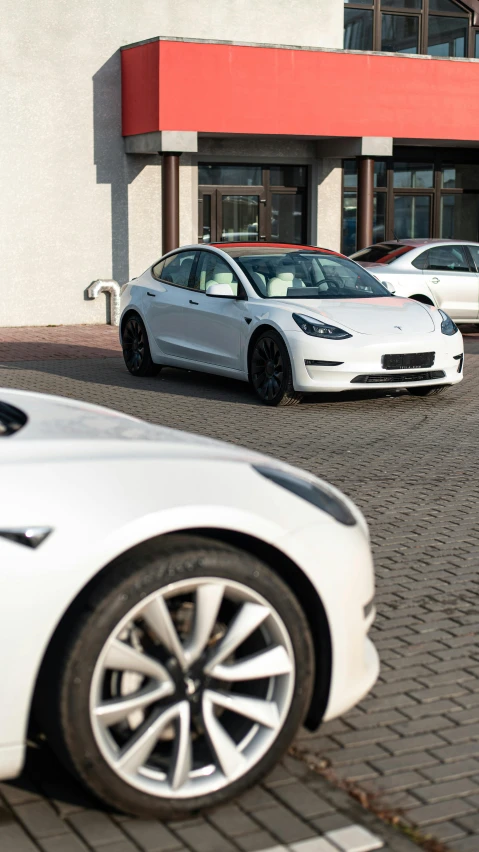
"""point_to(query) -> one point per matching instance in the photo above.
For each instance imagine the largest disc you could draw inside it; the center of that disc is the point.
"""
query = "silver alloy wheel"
(192, 687)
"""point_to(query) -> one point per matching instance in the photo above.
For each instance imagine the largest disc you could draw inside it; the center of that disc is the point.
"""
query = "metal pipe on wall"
(170, 192)
(365, 202)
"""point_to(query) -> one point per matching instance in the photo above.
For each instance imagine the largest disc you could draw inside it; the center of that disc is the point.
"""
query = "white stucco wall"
(74, 207)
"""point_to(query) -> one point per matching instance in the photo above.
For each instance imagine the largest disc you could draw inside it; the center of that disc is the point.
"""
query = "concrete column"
(365, 201)
(170, 210)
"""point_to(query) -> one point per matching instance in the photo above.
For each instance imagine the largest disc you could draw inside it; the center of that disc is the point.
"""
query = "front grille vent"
(398, 378)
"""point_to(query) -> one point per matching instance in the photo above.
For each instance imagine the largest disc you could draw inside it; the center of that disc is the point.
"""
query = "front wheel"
(184, 680)
(136, 349)
(428, 391)
(270, 371)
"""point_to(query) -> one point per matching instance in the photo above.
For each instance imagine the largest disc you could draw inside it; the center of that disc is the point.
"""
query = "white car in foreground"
(289, 319)
(172, 608)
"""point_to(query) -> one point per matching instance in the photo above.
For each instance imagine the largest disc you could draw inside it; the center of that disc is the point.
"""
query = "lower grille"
(397, 378)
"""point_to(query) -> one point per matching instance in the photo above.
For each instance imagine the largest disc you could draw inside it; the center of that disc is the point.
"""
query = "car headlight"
(311, 492)
(448, 326)
(317, 328)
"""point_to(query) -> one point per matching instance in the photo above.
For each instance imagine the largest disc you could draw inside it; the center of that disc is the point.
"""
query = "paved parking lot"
(412, 465)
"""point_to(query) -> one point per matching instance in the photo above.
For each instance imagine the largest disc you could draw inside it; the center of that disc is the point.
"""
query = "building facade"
(130, 128)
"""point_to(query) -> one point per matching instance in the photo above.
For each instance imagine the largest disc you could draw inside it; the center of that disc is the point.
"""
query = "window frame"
(378, 7)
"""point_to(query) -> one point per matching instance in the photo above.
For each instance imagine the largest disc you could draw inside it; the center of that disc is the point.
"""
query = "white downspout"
(107, 285)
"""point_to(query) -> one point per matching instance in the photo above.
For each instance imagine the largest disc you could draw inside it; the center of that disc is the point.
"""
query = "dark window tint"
(447, 36)
(380, 173)
(445, 6)
(206, 218)
(460, 216)
(235, 175)
(402, 4)
(350, 174)
(461, 176)
(475, 255)
(420, 262)
(412, 216)
(212, 269)
(379, 216)
(415, 175)
(358, 29)
(350, 206)
(287, 175)
(451, 258)
(400, 33)
(286, 217)
(177, 268)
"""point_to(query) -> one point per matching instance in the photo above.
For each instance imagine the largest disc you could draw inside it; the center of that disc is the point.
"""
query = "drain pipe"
(107, 285)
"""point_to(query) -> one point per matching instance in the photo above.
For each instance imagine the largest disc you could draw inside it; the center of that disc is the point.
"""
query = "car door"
(452, 280)
(165, 302)
(215, 325)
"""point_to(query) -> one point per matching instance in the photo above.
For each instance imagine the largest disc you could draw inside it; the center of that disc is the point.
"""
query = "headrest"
(277, 287)
(223, 277)
(285, 276)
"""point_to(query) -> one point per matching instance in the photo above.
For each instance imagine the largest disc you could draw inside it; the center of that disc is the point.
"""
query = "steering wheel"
(331, 282)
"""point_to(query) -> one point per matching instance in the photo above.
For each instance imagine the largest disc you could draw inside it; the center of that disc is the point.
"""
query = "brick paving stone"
(15, 839)
(302, 800)
(64, 843)
(449, 771)
(451, 809)
(448, 831)
(40, 819)
(233, 821)
(150, 835)
(447, 790)
(355, 838)
(96, 828)
(467, 844)
(283, 824)
(205, 838)
(259, 841)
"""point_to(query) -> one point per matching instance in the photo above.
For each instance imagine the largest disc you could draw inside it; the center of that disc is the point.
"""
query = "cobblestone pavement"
(412, 465)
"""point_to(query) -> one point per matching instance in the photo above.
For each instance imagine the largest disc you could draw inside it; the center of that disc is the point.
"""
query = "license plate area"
(408, 361)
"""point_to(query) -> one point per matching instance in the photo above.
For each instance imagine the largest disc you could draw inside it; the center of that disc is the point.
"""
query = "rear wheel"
(183, 682)
(270, 371)
(136, 349)
(428, 391)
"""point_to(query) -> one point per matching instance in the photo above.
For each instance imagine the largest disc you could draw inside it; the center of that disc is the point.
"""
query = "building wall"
(74, 206)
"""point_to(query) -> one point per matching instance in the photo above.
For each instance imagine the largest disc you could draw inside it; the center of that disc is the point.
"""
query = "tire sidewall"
(188, 563)
(287, 382)
(147, 363)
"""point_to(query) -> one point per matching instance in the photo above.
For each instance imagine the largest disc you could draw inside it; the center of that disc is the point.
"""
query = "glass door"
(412, 216)
(240, 215)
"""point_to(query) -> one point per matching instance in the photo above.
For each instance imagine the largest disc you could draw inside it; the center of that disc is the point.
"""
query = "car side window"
(212, 269)
(447, 258)
(475, 255)
(177, 268)
(421, 261)
(158, 269)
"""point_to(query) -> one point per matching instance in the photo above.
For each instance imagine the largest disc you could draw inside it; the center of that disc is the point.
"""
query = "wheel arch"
(259, 330)
(286, 568)
(129, 311)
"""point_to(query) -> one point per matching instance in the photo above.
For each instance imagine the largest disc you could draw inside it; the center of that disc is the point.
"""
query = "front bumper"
(361, 356)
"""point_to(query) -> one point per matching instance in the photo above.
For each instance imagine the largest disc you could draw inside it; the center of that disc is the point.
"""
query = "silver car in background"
(444, 273)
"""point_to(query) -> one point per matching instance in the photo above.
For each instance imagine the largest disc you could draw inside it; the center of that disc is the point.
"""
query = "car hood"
(371, 316)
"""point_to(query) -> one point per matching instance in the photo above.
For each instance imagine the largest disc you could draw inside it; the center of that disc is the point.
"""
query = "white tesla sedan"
(444, 273)
(290, 319)
(173, 608)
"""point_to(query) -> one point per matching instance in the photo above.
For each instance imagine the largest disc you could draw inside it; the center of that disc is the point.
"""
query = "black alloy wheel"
(270, 371)
(136, 349)
(435, 391)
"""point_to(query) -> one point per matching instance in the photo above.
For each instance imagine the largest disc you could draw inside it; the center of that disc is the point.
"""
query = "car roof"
(261, 245)
(416, 243)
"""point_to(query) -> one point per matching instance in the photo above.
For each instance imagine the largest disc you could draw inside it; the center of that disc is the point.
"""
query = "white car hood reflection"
(376, 316)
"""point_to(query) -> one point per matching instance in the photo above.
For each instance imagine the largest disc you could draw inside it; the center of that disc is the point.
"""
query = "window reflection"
(400, 33)
(358, 29)
(447, 36)
(412, 216)
(415, 175)
(460, 217)
(237, 175)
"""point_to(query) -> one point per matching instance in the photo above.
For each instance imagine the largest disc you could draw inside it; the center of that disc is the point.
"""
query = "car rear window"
(383, 253)
(11, 419)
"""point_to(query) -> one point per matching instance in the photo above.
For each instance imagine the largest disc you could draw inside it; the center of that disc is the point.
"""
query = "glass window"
(206, 236)
(350, 173)
(475, 255)
(402, 4)
(420, 262)
(210, 174)
(380, 173)
(212, 269)
(400, 33)
(447, 36)
(445, 6)
(460, 176)
(476, 51)
(379, 217)
(177, 268)
(302, 274)
(240, 217)
(287, 175)
(156, 271)
(350, 207)
(450, 258)
(412, 216)
(360, 2)
(385, 253)
(460, 216)
(358, 29)
(414, 175)
(286, 218)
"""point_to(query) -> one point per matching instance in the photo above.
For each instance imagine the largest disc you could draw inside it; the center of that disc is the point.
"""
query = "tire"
(136, 348)
(270, 370)
(424, 391)
(91, 669)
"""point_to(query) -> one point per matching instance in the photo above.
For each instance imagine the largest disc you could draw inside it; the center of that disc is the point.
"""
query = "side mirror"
(220, 290)
(389, 287)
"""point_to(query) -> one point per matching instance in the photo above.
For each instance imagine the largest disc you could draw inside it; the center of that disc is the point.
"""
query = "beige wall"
(74, 206)
(329, 189)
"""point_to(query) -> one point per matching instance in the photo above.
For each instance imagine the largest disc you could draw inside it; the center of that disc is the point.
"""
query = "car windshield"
(384, 253)
(290, 273)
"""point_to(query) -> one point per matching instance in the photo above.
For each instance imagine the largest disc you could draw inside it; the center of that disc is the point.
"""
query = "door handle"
(193, 303)
(435, 280)
(153, 295)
